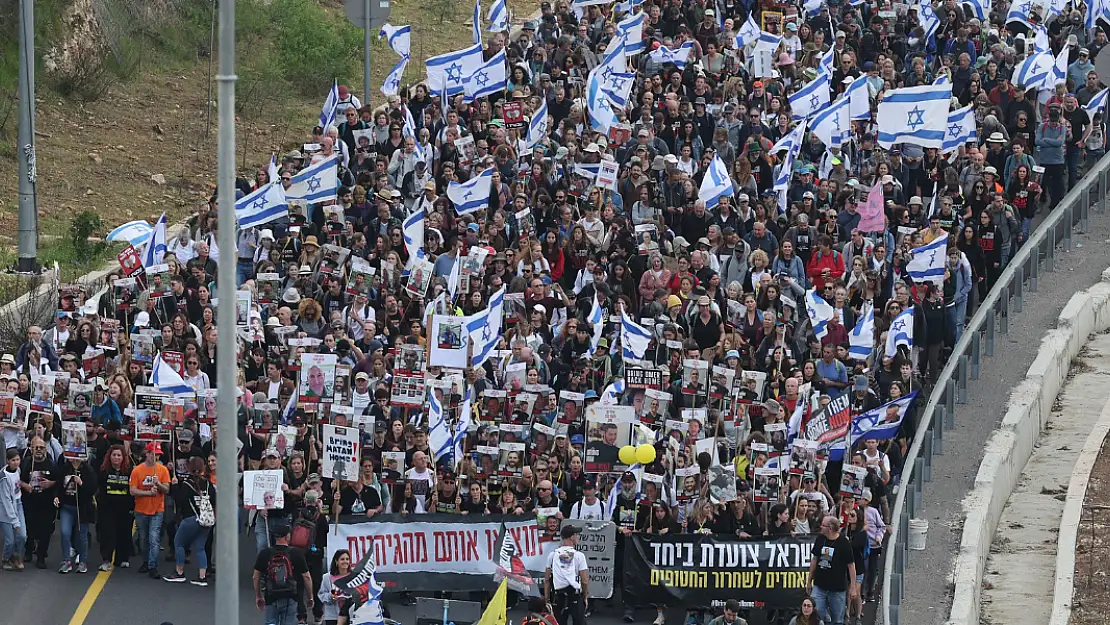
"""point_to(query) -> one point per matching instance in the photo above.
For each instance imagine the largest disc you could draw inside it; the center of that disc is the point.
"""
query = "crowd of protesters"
(725, 286)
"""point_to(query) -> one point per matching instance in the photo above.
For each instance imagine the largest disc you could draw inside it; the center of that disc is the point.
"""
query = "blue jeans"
(70, 519)
(281, 612)
(1072, 161)
(244, 270)
(1026, 225)
(191, 535)
(830, 605)
(15, 541)
(149, 527)
(956, 314)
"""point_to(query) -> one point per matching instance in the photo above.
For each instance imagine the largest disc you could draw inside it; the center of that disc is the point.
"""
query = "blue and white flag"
(413, 232)
(318, 182)
(834, 124)
(794, 425)
(597, 321)
(827, 62)
(392, 83)
(618, 87)
(261, 207)
(676, 56)
(463, 425)
(166, 379)
(156, 246)
(882, 423)
(812, 97)
(1019, 12)
(930, 22)
(981, 8)
(537, 126)
(327, 112)
(1032, 71)
(861, 339)
(472, 195)
(490, 78)
(812, 7)
(631, 29)
(820, 313)
(635, 339)
(602, 116)
(1096, 105)
(768, 41)
(942, 79)
(748, 33)
(791, 142)
(900, 333)
(498, 17)
(290, 406)
(859, 99)
(1096, 9)
(134, 232)
(408, 130)
(484, 329)
(272, 171)
(476, 34)
(611, 396)
(716, 183)
(961, 128)
(1057, 74)
(914, 115)
(449, 70)
(927, 262)
(1041, 42)
(399, 38)
(439, 431)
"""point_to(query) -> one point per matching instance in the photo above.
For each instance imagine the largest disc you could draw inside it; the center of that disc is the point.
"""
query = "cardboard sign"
(513, 114)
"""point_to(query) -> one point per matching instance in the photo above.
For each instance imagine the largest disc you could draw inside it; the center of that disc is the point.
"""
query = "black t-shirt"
(833, 558)
(352, 502)
(262, 565)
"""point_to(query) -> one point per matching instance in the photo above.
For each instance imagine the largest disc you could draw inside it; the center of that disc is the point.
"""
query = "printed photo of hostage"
(608, 428)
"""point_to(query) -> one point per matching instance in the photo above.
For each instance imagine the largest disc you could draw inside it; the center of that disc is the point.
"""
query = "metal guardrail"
(978, 339)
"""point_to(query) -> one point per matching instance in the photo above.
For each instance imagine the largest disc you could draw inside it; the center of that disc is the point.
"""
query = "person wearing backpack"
(277, 571)
(309, 534)
(195, 500)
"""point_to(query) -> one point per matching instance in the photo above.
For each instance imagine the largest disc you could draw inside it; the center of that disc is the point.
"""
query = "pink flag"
(871, 212)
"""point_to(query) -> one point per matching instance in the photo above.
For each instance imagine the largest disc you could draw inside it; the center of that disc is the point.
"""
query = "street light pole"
(227, 424)
(366, 56)
(28, 211)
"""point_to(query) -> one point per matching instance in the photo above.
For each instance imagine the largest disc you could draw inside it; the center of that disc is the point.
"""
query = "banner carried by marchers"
(707, 570)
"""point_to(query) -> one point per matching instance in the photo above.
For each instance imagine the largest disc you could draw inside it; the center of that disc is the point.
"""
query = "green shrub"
(83, 226)
(313, 47)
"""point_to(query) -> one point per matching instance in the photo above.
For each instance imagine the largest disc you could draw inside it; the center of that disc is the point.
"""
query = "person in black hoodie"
(115, 505)
(932, 314)
(76, 511)
(194, 500)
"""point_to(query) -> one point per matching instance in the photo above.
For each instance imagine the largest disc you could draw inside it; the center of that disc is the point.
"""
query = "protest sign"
(75, 442)
(830, 425)
(608, 428)
(317, 377)
(262, 489)
(341, 447)
(639, 377)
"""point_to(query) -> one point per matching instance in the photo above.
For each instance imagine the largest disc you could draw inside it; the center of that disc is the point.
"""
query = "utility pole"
(366, 55)
(28, 209)
(227, 423)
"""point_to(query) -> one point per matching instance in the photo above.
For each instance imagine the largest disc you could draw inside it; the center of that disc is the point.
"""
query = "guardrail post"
(938, 429)
(1069, 223)
(1050, 251)
(1004, 317)
(893, 606)
(1084, 209)
(990, 330)
(976, 355)
(918, 484)
(927, 444)
(1034, 271)
(913, 499)
(961, 386)
(1019, 288)
(950, 404)
(1100, 206)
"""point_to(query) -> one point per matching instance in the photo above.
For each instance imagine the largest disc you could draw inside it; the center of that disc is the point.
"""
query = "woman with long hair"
(336, 606)
(575, 253)
(807, 615)
(779, 521)
(1023, 194)
(550, 250)
(114, 504)
(194, 500)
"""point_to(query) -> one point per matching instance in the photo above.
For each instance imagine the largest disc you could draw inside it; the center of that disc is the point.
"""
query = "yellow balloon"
(645, 454)
(627, 454)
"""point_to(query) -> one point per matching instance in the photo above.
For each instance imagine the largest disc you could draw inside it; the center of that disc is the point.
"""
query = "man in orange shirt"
(150, 481)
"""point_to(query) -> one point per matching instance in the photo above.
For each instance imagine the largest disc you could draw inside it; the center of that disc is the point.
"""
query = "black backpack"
(279, 575)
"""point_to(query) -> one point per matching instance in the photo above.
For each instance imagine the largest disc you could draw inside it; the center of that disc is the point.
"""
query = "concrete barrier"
(1010, 446)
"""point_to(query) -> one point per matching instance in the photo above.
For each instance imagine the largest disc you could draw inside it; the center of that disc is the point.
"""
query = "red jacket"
(834, 262)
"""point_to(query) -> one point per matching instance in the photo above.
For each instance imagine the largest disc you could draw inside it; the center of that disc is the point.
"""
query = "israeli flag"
(1032, 71)
(166, 379)
(859, 99)
(834, 124)
(927, 263)
(930, 22)
(272, 171)
(618, 87)
(156, 246)
(316, 183)
(827, 62)
(484, 329)
(981, 8)
(820, 313)
(1019, 12)
(498, 17)
(716, 183)
(1041, 42)
(631, 30)
(1057, 74)
(290, 406)
(635, 338)
(627, 6)
(1096, 9)
(961, 128)
(791, 142)
(914, 115)
(477, 28)
(413, 232)
(408, 129)
(882, 423)
(811, 98)
(134, 232)
(900, 333)
(597, 320)
(812, 7)
(261, 207)
(768, 41)
(601, 112)
(537, 126)
(748, 33)
(472, 195)
(676, 56)
(399, 38)
(392, 83)
(861, 339)
(440, 440)
(449, 70)
(463, 425)
(1096, 105)
(327, 112)
(490, 78)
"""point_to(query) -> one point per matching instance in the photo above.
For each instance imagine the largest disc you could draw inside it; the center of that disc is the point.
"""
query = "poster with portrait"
(511, 459)
(420, 278)
(148, 415)
(760, 454)
(521, 407)
(542, 437)
(407, 391)
(71, 297)
(61, 388)
(92, 362)
(449, 342)
(393, 466)
(262, 489)
(409, 359)
(514, 310)
(695, 377)
(674, 433)
(206, 405)
(722, 483)
(493, 404)
(14, 413)
(109, 335)
(364, 141)
(654, 407)
(851, 481)
(512, 432)
(42, 391)
(361, 278)
(317, 378)
(722, 379)
(803, 456)
(608, 428)
(269, 287)
(284, 440)
(158, 280)
(695, 419)
(686, 482)
(173, 411)
(650, 487)
(333, 258)
(343, 416)
(142, 348)
(342, 391)
(776, 437)
(125, 292)
(754, 381)
(79, 404)
(341, 452)
(264, 418)
(485, 459)
(75, 441)
(472, 266)
(768, 485)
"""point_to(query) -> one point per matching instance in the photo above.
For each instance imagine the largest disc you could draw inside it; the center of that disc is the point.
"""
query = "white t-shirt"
(422, 484)
(588, 512)
(566, 564)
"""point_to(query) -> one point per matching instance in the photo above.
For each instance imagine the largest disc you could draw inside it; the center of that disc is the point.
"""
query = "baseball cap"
(279, 530)
(861, 383)
(570, 530)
